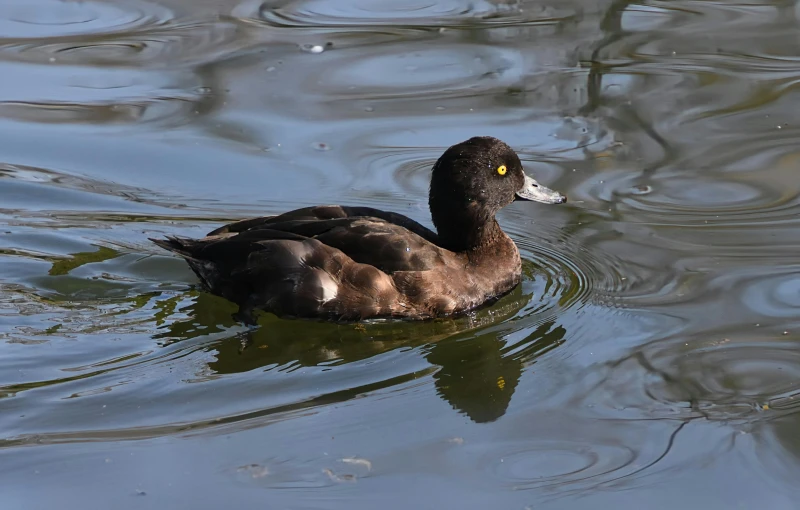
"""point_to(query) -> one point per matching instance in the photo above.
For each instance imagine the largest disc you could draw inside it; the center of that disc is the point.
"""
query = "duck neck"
(466, 233)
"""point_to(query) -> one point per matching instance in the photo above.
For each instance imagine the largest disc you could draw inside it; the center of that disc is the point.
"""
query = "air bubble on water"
(312, 48)
(642, 189)
(270, 69)
(369, 109)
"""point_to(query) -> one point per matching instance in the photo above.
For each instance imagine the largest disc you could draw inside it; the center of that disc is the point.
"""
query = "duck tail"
(181, 246)
(204, 269)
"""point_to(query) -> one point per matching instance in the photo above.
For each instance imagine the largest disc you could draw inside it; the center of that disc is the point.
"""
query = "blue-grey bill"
(534, 191)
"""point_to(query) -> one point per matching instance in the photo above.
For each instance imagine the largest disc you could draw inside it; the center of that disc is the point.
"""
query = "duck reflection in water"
(477, 370)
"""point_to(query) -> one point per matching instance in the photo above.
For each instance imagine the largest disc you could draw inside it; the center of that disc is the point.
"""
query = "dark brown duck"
(349, 263)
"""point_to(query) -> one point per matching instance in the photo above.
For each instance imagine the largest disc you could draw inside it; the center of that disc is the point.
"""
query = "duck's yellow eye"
(501, 169)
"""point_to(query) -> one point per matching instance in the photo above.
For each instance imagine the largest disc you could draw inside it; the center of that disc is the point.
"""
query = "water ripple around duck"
(596, 276)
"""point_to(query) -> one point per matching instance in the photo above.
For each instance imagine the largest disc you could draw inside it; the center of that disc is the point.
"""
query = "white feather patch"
(329, 287)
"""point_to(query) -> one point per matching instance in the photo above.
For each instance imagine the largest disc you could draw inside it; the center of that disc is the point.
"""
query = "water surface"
(649, 359)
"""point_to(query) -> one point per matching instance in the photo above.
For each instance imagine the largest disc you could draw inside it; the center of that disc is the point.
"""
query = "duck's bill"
(534, 191)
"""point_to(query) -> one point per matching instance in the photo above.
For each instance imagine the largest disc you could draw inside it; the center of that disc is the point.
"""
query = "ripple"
(25, 176)
(702, 28)
(83, 78)
(417, 13)
(187, 43)
(736, 379)
(701, 197)
(444, 70)
(645, 18)
(731, 378)
(723, 15)
(414, 175)
(567, 283)
(111, 34)
(676, 198)
(579, 270)
(97, 94)
(776, 295)
(41, 19)
(691, 17)
(536, 464)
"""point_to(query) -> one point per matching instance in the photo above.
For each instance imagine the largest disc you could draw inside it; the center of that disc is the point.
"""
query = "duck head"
(473, 180)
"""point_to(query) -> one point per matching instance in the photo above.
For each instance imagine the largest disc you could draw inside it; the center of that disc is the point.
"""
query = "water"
(650, 358)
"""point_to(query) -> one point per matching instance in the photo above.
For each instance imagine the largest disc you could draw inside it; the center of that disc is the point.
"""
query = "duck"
(353, 263)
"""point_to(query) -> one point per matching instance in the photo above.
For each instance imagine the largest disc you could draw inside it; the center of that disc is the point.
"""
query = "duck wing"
(313, 262)
(287, 274)
(388, 241)
(330, 212)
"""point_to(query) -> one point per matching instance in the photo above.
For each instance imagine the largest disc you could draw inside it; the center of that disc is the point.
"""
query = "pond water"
(649, 359)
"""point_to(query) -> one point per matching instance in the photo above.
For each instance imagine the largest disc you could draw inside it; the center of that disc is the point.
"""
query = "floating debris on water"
(321, 146)
(357, 461)
(339, 478)
(254, 470)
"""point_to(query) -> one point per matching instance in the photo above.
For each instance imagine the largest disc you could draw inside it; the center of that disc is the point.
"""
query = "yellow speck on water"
(263, 346)
(501, 383)
(765, 407)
